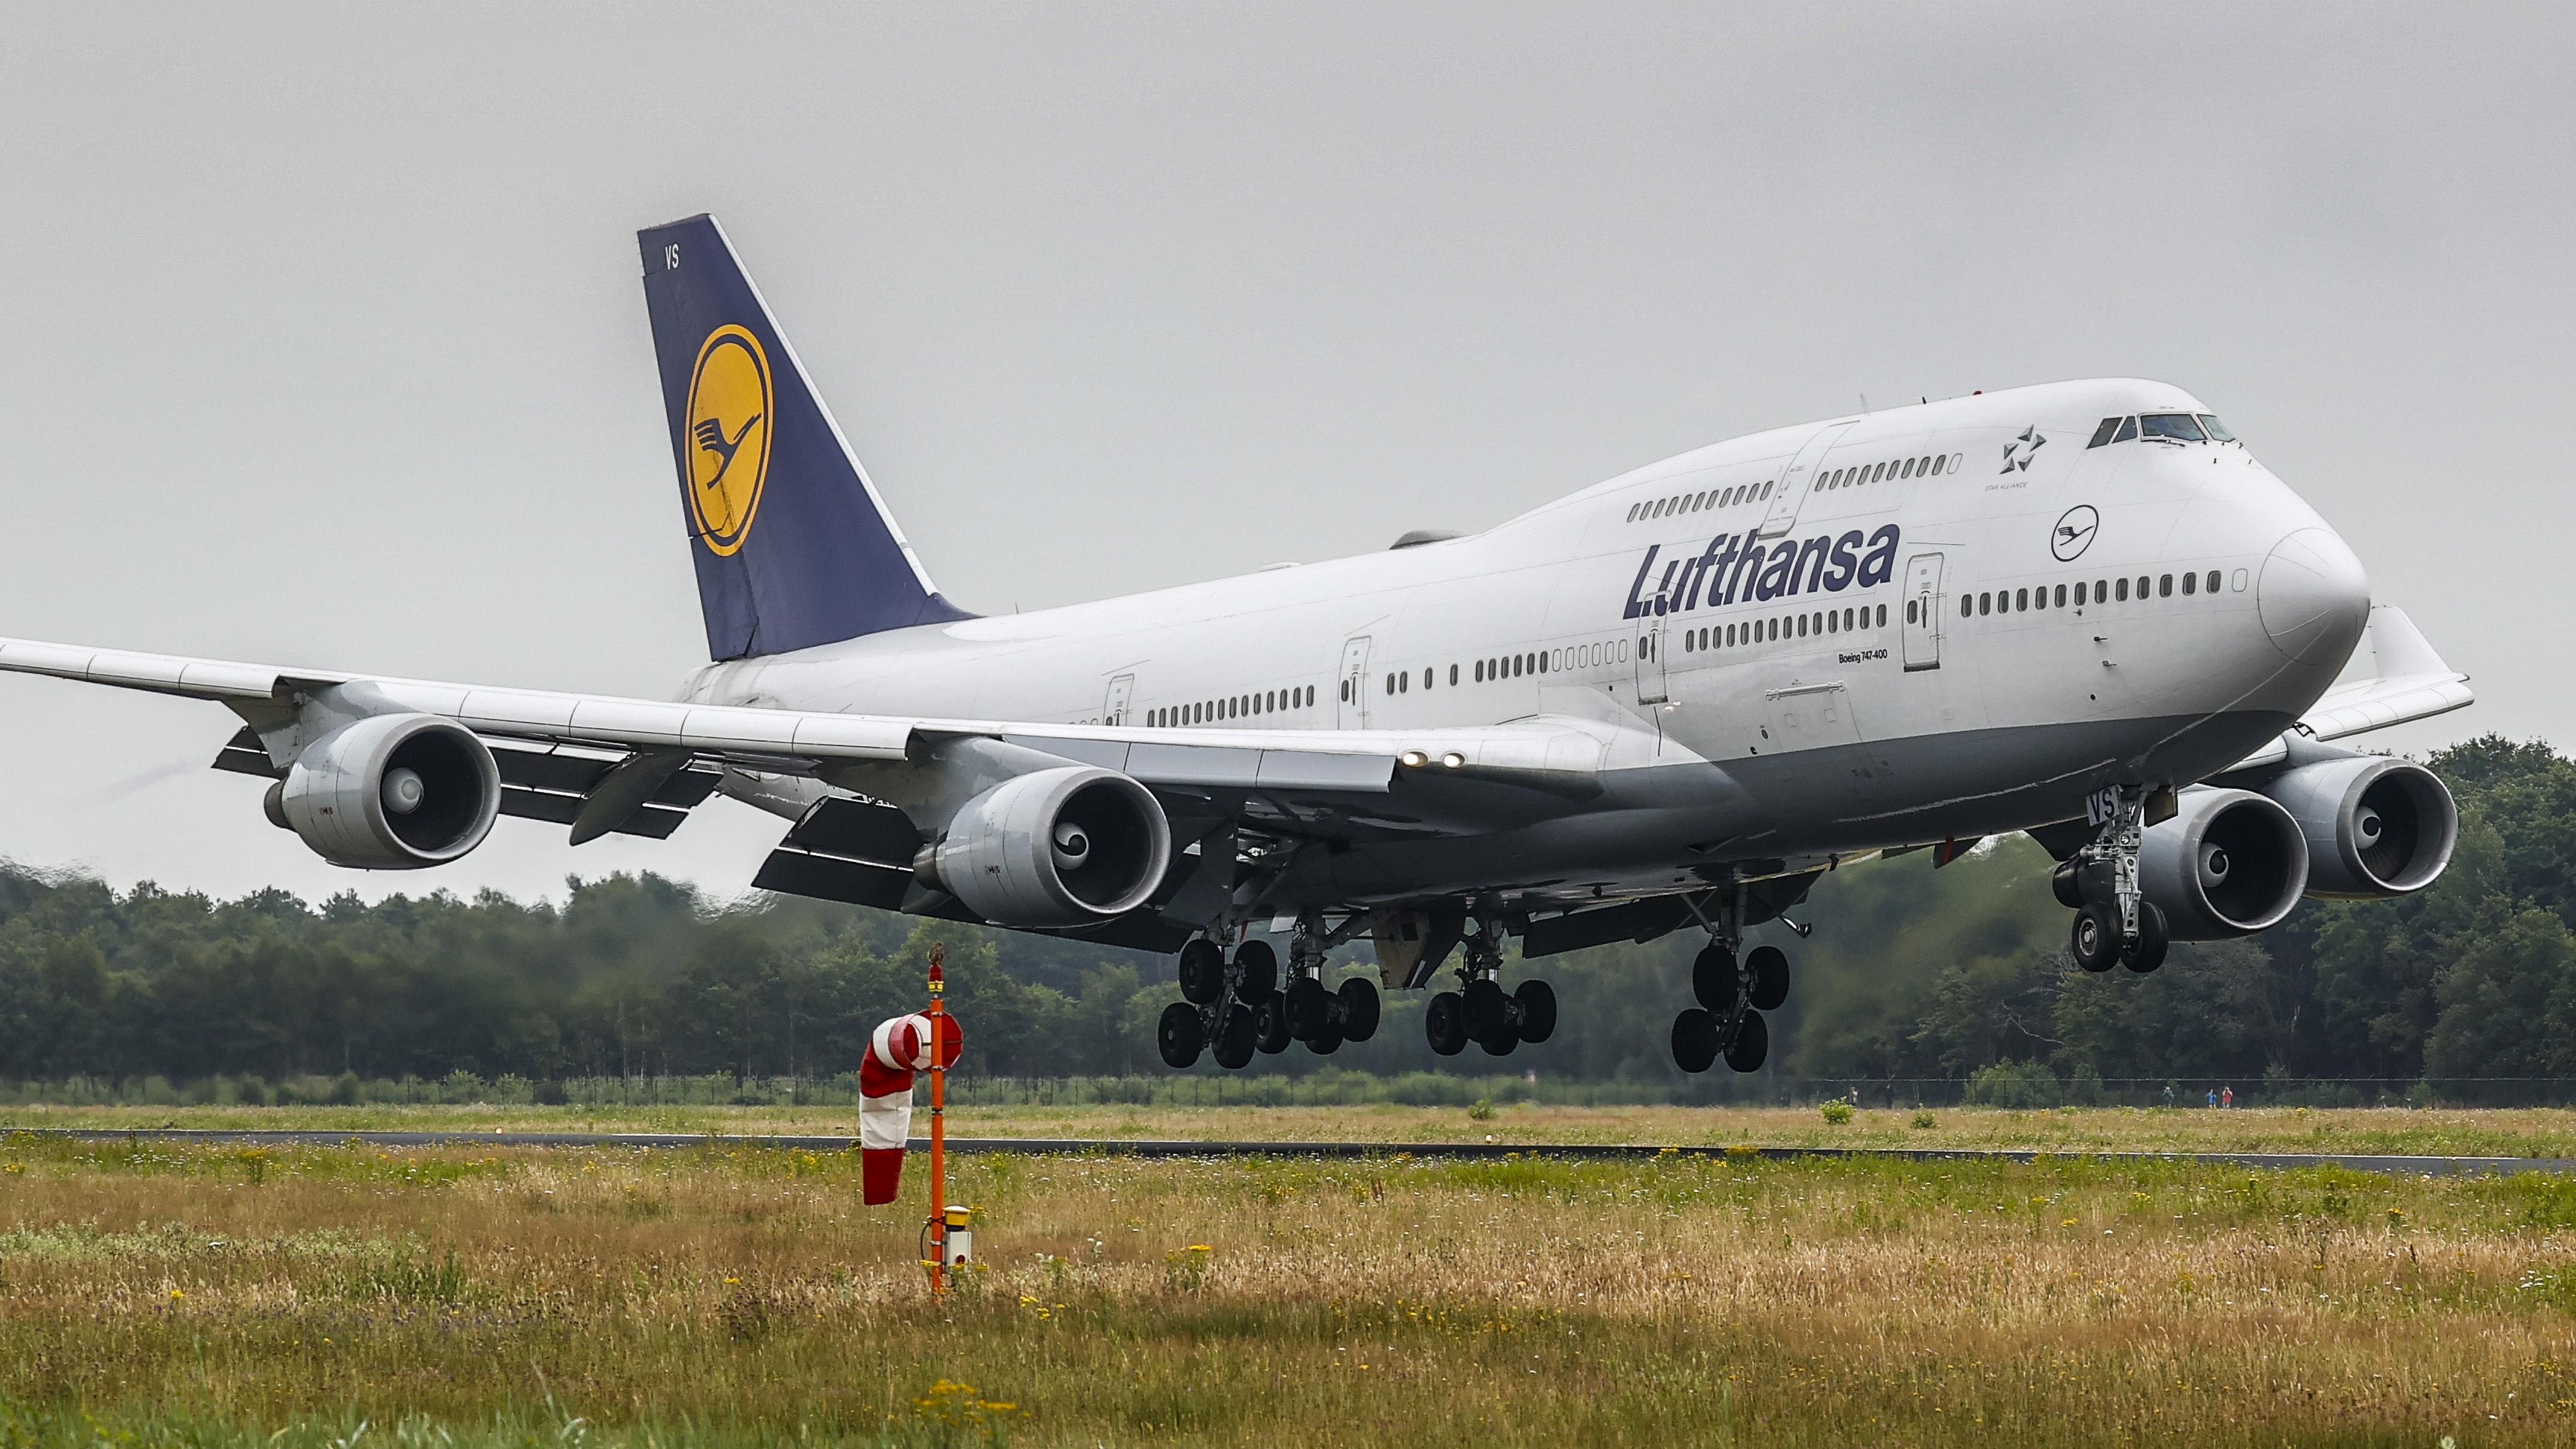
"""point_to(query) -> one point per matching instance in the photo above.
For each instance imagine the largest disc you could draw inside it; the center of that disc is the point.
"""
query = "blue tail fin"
(793, 546)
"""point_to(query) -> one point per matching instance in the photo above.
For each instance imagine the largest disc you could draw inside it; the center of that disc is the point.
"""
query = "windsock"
(896, 1050)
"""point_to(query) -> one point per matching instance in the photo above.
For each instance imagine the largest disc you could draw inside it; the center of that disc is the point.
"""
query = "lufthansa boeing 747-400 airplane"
(2081, 610)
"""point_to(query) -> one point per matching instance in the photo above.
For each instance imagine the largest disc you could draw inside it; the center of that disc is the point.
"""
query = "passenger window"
(2190, 584)
(2212, 585)
(2128, 430)
(1966, 605)
(2164, 587)
(1937, 469)
(2103, 433)
(1426, 679)
(2079, 595)
(1390, 684)
(2142, 586)
(1882, 616)
(2021, 600)
(2124, 591)
(1909, 611)
(1985, 604)
(2061, 596)
(1632, 511)
(1766, 490)
(1453, 676)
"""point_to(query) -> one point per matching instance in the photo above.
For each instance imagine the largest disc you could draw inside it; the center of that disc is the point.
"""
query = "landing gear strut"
(2114, 922)
(1480, 1010)
(1733, 990)
(1235, 1008)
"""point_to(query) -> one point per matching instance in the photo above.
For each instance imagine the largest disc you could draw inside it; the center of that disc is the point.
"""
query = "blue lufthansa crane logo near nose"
(2074, 532)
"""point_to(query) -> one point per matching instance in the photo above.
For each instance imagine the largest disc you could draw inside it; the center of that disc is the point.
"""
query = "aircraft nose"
(2314, 597)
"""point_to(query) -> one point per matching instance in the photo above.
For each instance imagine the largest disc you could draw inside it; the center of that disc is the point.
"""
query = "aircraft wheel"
(2095, 938)
(1202, 972)
(1487, 1006)
(1256, 969)
(1326, 1042)
(1309, 1007)
(1270, 1025)
(1179, 1037)
(1237, 1038)
(1713, 978)
(1752, 1044)
(1770, 977)
(2155, 935)
(1694, 1040)
(1359, 1008)
(1537, 1001)
(1445, 1024)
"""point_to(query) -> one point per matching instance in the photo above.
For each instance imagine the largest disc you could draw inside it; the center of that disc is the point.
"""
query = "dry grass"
(215, 1294)
(2518, 1132)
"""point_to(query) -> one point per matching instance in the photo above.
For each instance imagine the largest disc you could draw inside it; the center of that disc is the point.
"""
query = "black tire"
(1270, 1025)
(1179, 1037)
(1538, 1010)
(1236, 1038)
(1488, 1009)
(1257, 968)
(1752, 1043)
(1694, 1040)
(2155, 935)
(1326, 1042)
(1713, 978)
(1444, 1024)
(2094, 939)
(1770, 971)
(1202, 972)
(1359, 1008)
(1309, 1006)
(2065, 884)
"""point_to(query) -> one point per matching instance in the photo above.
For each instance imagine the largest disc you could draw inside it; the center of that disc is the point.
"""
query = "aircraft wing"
(2395, 677)
(558, 751)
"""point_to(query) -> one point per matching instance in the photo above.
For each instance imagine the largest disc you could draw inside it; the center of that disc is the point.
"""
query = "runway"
(1169, 1148)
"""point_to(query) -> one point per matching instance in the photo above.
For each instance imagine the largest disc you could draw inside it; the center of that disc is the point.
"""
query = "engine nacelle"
(394, 792)
(2229, 863)
(2376, 827)
(1059, 847)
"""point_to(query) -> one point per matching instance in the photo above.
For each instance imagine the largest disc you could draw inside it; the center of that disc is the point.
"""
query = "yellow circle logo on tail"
(730, 401)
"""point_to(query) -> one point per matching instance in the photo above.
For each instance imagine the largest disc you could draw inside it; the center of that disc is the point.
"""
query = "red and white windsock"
(896, 1050)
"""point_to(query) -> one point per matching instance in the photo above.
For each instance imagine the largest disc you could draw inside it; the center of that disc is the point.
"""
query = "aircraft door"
(1122, 692)
(1651, 685)
(1791, 487)
(1351, 711)
(1923, 612)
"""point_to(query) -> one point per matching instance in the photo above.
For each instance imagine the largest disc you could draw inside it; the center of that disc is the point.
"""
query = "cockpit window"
(2128, 430)
(2103, 433)
(2217, 429)
(2180, 427)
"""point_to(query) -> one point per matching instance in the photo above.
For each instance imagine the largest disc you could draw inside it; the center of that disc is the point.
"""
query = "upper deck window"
(2177, 427)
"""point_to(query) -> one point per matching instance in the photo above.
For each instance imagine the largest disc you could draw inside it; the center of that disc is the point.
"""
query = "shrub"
(1838, 1111)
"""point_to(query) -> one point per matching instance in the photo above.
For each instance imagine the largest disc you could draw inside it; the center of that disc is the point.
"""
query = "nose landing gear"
(2115, 925)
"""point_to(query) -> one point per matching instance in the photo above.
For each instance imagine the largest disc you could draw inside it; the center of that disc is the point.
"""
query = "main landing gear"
(1234, 1008)
(1733, 990)
(1481, 1011)
(2114, 924)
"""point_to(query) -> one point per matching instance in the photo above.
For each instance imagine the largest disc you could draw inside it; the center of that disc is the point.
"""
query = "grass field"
(2513, 1132)
(156, 1293)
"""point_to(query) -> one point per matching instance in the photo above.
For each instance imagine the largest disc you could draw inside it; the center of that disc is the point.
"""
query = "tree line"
(1912, 973)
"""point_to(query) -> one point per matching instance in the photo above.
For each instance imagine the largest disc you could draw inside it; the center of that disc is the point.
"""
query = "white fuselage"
(1795, 710)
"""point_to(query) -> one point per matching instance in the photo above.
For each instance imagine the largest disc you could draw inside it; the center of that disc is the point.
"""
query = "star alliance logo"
(2019, 452)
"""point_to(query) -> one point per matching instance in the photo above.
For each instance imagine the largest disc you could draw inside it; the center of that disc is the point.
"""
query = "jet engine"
(2229, 863)
(1056, 847)
(2376, 827)
(392, 792)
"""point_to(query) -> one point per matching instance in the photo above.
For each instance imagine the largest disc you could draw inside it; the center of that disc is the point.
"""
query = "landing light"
(1413, 759)
(1453, 760)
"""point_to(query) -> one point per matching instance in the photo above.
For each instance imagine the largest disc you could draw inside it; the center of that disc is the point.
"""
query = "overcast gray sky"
(321, 339)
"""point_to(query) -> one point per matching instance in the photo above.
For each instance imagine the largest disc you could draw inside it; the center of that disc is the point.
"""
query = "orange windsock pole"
(938, 1120)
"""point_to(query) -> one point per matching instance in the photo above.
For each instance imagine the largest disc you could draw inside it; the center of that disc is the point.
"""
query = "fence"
(2027, 1087)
